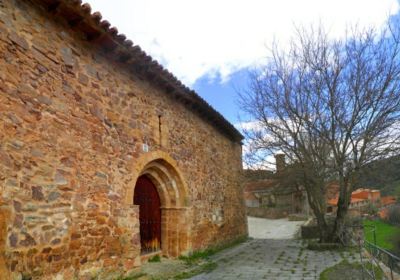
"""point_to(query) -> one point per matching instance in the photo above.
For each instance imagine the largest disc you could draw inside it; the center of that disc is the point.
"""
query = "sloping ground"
(350, 271)
(273, 254)
(273, 260)
(260, 228)
(383, 175)
(385, 235)
(165, 269)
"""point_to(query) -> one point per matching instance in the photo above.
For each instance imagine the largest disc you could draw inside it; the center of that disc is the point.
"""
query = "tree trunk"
(317, 203)
(324, 234)
(338, 231)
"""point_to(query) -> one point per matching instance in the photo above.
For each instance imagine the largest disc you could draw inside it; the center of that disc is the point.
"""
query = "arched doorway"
(158, 170)
(146, 196)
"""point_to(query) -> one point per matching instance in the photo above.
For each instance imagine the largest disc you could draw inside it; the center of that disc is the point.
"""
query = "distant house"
(367, 194)
(386, 203)
(251, 200)
(388, 200)
(356, 207)
(360, 199)
(274, 195)
(383, 213)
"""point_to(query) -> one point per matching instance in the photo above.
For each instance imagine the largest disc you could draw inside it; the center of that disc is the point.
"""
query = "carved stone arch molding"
(171, 186)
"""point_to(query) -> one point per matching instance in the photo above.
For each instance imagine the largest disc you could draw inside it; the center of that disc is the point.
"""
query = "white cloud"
(208, 37)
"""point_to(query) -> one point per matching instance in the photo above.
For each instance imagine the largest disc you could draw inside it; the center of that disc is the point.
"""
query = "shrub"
(156, 258)
(371, 209)
(394, 214)
(346, 271)
(396, 244)
(316, 246)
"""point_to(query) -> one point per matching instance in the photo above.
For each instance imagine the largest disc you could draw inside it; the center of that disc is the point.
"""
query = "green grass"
(316, 246)
(345, 270)
(156, 258)
(199, 260)
(197, 256)
(385, 234)
(132, 277)
(205, 268)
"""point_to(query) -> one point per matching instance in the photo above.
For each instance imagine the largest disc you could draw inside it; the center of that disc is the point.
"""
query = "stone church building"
(105, 156)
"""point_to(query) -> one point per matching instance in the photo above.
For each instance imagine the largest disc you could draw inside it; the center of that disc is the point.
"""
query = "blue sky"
(209, 44)
(223, 95)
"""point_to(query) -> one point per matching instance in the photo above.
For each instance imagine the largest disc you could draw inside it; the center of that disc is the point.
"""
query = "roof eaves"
(79, 16)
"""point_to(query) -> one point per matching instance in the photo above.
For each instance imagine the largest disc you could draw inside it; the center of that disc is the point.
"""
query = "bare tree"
(331, 106)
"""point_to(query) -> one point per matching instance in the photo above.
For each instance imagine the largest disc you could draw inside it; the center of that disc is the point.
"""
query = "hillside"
(383, 175)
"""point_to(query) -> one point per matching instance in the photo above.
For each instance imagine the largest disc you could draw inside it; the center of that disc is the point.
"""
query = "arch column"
(174, 231)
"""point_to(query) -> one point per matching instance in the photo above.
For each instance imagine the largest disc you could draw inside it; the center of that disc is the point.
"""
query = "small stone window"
(159, 130)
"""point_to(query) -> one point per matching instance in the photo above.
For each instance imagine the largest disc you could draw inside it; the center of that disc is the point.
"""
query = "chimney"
(280, 162)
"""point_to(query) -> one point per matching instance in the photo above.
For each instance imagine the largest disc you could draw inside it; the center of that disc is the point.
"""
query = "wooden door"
(4, 214)
(146, 196)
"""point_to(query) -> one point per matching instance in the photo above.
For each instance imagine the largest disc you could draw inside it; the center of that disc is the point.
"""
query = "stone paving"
(273, 253)
(272, 259)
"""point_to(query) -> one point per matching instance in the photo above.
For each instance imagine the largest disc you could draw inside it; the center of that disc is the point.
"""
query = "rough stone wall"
(72, 127)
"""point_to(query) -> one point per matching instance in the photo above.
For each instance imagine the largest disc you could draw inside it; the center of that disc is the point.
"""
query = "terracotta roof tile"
(388, 200)
(334, 201)
(249, 196)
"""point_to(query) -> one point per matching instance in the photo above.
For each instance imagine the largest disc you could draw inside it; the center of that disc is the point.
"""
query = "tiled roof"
(355, 200)
(388, 200)
(334, 201)
(357, 196)
(260, 185)
(249, 196)
(99, 32)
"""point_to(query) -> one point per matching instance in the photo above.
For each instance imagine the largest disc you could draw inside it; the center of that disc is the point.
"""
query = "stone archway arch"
(163, 171)
(164, 164)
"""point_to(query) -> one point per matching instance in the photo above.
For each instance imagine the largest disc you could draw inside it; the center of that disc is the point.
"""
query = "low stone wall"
(309, 231)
